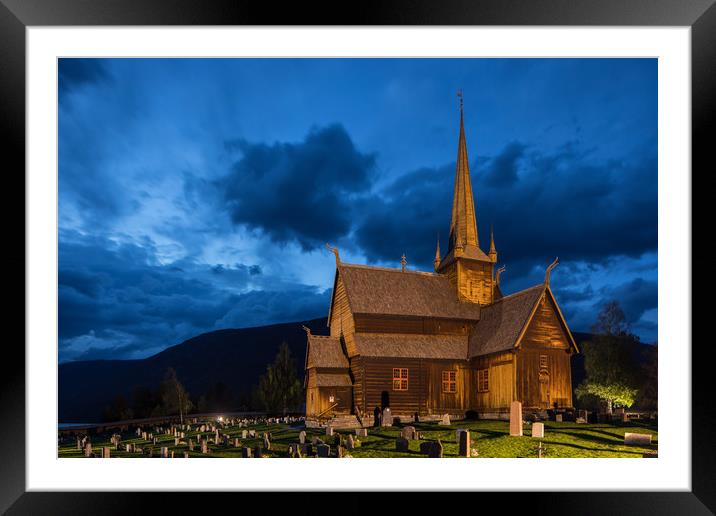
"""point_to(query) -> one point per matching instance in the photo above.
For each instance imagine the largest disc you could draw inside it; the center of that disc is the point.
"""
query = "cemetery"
(288, 437)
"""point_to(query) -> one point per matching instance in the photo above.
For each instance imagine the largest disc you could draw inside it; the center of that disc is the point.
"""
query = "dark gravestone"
(401, 444)
(464, 448)
(307, 449)
(436, 451)
(376, 416)
(258, 452)
(425, 447)
(324, 450)
(246, 452)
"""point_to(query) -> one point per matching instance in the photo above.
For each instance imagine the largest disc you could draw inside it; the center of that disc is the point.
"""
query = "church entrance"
(544, 389)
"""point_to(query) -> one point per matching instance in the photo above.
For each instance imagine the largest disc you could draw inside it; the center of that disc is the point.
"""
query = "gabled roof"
(383, 291)
(502, 322)
(325, 351)
(411, 345)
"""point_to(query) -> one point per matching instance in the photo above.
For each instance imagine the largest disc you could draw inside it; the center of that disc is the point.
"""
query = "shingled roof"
(333, 380)
(379, 290)
(412, 346)
(325, 351)
(501, 323)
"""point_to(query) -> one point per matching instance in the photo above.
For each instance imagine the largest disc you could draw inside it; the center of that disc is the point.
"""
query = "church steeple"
(468, 268)
(463, 227)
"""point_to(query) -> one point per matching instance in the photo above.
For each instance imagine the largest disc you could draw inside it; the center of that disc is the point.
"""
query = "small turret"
(493, 252)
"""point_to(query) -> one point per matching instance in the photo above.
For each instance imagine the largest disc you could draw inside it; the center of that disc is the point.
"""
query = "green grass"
(489, 439)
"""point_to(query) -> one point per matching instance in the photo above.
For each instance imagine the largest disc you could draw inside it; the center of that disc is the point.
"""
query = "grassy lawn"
(489, 439)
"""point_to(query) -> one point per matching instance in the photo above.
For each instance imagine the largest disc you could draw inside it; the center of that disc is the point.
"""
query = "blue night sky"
(197, 194)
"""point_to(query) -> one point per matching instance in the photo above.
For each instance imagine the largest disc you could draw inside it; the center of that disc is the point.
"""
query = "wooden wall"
(356, 373)
(475, 280)
(421, 325)
(501, 381)
(342, 319)
(318, 398)
(544, 336)
(424, 394)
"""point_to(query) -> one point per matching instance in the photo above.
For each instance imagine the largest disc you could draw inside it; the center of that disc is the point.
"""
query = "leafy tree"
(612, 375)
(279, 389)
(144, 400)
(118, 410)
(173, 397)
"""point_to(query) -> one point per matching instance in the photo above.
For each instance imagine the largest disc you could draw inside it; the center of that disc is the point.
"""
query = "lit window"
(449, 381)
(400, 379)
(331, 399)
(483, 380)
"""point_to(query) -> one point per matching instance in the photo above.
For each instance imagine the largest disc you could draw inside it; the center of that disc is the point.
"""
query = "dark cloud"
(564, 204)
(116, 300)
(502, 171)
(635, 297)
(73, 73)
(299, 192)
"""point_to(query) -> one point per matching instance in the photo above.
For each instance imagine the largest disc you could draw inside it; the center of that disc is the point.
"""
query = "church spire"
(463, 228)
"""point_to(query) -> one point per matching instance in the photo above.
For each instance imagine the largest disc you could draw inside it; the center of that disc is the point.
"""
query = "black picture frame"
(700, 15)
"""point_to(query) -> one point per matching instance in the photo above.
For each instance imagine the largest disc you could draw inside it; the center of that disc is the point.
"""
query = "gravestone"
(538, 430)
(445, 421)
(425, 447)
(324, 450)
(436, 450)
(165, 452)
(246, 452)
(88, 449)
(516, 419)
(105, 452)
(464, 447)
(237, 444)
(329, 430)
(349, 442)
(361, 432)
(457, 434)
(401, 444)
(409, 433)
(258, 452)
(307, 449)
(186, 454)
(172, 455)
(340, 452)
(639, 439)
(176, 441)
(191, 445)
(244, 433)
(387, 418)
(267, 442)
(558, 418)
(252, 434)
(204, 446)
(302, 437)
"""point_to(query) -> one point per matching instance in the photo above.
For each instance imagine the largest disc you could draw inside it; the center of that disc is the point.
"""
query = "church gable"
(546, 327)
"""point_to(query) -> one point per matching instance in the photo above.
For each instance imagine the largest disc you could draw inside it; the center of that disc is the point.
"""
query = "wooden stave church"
(439, 342)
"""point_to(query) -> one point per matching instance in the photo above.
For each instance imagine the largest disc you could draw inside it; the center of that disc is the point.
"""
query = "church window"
(449, 381)
(400, 379)
(483, 380)
(543, 361)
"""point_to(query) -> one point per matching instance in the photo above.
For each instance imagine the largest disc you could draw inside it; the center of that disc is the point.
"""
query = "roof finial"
(549, 269)
(459, 95)
(306, 329)
(498, 273)
(334, 250)
(436, 262)
(403, 262)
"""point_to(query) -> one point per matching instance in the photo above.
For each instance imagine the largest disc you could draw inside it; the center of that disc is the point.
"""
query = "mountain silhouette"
(237, 358)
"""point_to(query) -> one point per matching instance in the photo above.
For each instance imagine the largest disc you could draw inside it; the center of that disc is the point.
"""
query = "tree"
(279, 388)
(173, 396)
(611, 369)
(119, 410)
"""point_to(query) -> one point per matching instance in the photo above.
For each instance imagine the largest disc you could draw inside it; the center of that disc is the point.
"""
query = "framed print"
(458, 232)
